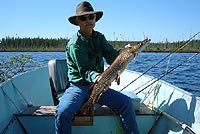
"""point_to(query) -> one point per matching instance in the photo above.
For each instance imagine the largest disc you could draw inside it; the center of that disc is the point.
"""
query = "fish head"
(140, 46)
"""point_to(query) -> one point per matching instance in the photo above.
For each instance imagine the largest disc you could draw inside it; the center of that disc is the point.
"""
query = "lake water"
(187, 76)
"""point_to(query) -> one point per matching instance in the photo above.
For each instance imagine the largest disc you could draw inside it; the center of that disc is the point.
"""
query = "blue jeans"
(75, 96)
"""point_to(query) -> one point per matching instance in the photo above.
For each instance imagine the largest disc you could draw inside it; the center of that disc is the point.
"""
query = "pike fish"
(113, 72)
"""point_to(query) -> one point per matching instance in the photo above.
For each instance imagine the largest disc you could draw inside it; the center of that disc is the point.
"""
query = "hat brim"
(99, 14)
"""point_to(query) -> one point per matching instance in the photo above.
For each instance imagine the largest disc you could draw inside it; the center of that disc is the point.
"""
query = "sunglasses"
(84, 18)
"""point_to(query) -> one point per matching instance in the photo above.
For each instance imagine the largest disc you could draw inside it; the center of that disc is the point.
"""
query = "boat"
(28, 105)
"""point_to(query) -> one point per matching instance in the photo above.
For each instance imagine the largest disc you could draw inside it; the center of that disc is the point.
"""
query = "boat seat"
(41, 120)
(100, 111)
(58, 78)
(80, 119)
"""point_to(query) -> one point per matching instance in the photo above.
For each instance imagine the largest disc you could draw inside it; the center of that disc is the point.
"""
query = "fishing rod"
(178, 48)
(164, 74)
(186, 128)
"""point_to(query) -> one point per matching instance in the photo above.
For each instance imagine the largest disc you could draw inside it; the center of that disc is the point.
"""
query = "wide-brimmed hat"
(84, 8)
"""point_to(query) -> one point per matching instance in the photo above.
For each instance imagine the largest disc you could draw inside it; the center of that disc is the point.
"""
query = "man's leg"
(71, 101)
(123, 104)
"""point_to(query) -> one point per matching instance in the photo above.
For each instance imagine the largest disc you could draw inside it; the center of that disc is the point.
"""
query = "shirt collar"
(85, 37)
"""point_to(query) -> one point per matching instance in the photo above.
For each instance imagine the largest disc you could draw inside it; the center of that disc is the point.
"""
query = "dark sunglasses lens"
(91, 17)
(83, 18)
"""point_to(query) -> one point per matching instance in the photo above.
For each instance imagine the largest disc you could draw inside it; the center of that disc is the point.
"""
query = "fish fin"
(117, 79)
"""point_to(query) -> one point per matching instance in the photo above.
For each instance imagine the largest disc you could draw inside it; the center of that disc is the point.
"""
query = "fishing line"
(164, 74)
(178, 48)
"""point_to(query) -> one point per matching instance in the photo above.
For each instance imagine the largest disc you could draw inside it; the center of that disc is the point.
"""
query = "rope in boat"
(177, 49)
(155, 93)
(164, 74)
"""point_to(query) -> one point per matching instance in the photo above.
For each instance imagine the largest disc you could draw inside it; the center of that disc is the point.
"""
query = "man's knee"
(64, 114)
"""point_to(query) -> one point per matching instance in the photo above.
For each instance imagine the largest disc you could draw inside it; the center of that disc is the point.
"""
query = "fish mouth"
(143, 44)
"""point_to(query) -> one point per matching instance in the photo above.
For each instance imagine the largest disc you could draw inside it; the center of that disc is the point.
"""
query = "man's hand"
(135, 54)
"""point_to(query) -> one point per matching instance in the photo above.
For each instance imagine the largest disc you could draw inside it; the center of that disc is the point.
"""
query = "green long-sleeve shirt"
(85, 56)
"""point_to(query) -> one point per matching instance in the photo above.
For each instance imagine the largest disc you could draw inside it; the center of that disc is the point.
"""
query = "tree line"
(10, 44)
(32, 44)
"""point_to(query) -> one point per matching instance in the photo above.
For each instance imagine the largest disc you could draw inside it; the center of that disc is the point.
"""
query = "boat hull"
(33, 89)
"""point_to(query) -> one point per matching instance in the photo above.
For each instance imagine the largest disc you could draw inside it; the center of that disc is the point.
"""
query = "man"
(85, 52)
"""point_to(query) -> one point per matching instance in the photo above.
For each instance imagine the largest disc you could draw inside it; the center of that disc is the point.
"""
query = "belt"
(82, 83)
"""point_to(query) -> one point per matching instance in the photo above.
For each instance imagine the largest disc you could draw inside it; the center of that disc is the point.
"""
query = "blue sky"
(159, 20)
